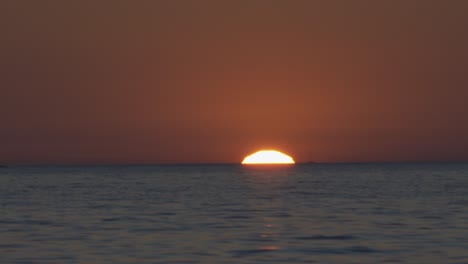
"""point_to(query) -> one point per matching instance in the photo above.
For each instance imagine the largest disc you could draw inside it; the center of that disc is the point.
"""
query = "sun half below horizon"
(268, 157)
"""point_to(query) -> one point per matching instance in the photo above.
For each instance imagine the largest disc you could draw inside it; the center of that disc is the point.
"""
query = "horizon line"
(6, 165)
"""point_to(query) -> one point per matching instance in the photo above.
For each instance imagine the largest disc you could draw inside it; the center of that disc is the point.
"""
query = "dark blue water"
(318, 213)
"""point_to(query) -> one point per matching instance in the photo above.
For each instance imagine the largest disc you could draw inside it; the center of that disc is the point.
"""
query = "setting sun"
(268, 157)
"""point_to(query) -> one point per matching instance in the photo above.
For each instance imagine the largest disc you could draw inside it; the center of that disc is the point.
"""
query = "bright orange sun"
(268, 157)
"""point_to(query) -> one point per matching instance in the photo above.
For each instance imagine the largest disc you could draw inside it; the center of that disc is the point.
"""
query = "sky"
(100, 82)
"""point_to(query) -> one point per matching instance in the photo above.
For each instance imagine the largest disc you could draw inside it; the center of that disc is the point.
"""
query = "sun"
(268, 157)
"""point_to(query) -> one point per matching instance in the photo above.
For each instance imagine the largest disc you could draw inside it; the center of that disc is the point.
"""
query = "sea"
(304, 213)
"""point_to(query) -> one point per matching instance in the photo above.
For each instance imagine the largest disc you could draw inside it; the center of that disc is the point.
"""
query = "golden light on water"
(268, 157)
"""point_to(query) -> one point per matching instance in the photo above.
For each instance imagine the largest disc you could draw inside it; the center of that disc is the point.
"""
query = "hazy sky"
(212, 81)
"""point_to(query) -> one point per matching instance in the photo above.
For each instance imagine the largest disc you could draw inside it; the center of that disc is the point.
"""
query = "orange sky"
(212, 81)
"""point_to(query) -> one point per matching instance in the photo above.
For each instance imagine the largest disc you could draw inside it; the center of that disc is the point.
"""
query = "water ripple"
(322, 237)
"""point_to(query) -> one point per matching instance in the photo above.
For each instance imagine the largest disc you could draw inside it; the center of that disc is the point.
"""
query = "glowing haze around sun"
(268, 157)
